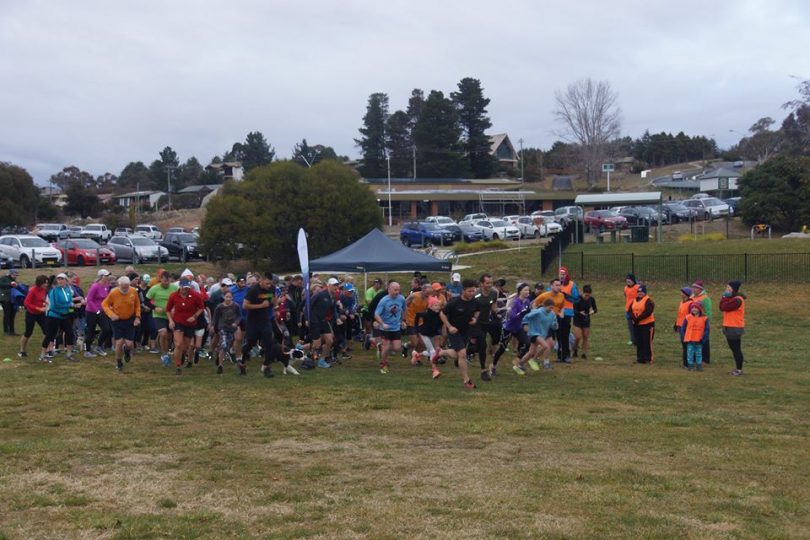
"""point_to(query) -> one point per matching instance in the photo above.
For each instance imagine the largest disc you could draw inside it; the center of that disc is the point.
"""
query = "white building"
(228, 170)
(146, 197)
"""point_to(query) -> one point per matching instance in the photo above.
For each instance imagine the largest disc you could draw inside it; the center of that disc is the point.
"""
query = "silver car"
(137, 249)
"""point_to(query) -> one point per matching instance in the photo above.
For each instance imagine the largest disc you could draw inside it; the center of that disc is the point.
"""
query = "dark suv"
(181, 245)
(423, 233)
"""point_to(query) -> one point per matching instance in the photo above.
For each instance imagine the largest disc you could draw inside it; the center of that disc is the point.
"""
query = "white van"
(149, 231)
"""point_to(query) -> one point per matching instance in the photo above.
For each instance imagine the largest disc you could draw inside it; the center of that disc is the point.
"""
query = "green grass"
(605, 449)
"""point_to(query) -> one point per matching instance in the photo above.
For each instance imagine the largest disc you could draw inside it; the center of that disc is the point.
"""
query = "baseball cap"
(348, 286)
(61, 276)
(103, 272)
(185, 283)
(456, 277)
(436, 287)
(227, 281)
(332, 281)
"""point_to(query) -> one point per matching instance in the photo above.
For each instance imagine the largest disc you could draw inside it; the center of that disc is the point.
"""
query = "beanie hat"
(697, 305)
(687, 291)
(631, 277)
(432, 301)
(642, 288)
(698, 285)
(735, 286)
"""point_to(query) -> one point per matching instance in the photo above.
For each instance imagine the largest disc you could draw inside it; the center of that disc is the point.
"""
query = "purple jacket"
(514, 319)
(95, 295)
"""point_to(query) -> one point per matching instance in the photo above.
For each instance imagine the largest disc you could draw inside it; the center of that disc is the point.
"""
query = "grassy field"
(605, 449)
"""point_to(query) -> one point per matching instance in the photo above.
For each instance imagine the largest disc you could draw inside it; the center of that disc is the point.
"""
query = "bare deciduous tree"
(591, 119)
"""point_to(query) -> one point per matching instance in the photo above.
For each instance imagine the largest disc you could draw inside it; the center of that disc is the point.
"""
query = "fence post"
(687, 267)
(581, 265)
(745, 275)
(633, 262)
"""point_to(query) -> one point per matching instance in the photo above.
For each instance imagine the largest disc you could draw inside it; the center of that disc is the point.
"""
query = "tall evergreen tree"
(254, 152)
(398, 143)
(307, 155)
(372, 142)
(189, 173)
(134, 174)
(436, 134)
(472, 114)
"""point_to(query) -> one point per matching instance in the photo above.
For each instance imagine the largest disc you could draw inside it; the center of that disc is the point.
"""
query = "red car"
(82, 252)
(604, 220)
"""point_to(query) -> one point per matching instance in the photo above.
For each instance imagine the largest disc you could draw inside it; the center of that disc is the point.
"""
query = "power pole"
(522, 177)
(169, 183)
(413, 147)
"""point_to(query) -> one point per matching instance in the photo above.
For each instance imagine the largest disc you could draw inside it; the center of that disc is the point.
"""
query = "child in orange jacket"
(683, 311)
(695, 333)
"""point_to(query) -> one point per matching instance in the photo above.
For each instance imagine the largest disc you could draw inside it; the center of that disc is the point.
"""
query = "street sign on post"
(608, 168)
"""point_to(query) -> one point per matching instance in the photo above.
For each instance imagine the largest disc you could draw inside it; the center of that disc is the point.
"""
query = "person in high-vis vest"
(695, 329)
(733, 307)
(683, 311)
(571, 293)
(630, 291)
(701, 295)
(641, 315)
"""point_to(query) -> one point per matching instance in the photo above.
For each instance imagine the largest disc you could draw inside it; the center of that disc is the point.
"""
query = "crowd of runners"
(186, 317)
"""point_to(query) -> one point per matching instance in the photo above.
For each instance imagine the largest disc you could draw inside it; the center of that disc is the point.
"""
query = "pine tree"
(398, 143)
(436, 134)
(372, 142)
(472, 113)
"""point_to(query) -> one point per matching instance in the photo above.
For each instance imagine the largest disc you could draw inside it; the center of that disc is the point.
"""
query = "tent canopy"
(375, 252)
(619, 198)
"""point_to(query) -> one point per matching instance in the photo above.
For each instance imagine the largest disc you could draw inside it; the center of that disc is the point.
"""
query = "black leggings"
(9, 312)
(478, 345)
(506, 337)
(54, 325)
(563, 340)
(32, 320)
(104, 338)
(735, 344)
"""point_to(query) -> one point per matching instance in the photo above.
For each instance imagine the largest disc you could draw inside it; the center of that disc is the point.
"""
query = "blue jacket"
(239, 297)
(540, 321)
(60, 302)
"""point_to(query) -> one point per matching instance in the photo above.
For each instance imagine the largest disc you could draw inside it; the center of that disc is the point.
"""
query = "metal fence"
(747, 267)
(555, 248)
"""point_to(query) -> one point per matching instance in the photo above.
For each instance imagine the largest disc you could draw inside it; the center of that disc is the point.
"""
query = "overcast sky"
(99, 84)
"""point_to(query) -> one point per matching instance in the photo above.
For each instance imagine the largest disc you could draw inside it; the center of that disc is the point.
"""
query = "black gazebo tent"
(375, 252)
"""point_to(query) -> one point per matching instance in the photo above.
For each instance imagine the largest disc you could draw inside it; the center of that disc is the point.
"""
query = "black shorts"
(538, 339)
(242, 325)
(319, 328)
(161, 323)
(32, 319)
(123, 329)
(412, 330)
(376, 332)
(391, 336)
(495, 331)
(580, 323)
(551, 334)
(457, 341)
(202, 324)
(188, 331)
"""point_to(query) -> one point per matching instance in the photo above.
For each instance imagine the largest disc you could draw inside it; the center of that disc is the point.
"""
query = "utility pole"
(138, 198)
(388, 161)
(522, 177)
(413, 147)
(169, 183)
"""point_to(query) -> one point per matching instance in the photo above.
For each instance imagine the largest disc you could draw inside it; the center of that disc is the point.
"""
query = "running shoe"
(404, 351)
(165, 360)
(322, 363)
(178, 371)
(469, 384)
(219, 369)
(519, 370)
(699, 367)
(736, 372)
(534, 365)
(70, 357)
(629, 342)
(22, 354)
(345, 356)
(493, 371)
(383, 368)
(485, 376)
(50, 354)
(89, 354)
(547, 365)
(100, 351)
(242, 369)
(435, 357)
(566, 360)
(266, 371)
(584, 356)
(415, 361)
(289, 370)
(119, 365)
(189, 365)
(45, 358)
(436, 373)
(153, 350)
(204, 353)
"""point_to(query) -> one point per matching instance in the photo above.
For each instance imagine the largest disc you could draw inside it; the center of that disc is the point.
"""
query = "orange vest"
(683, 311)
(418, 305)
(638, 308)
(736, 318)
(695, 326)
(566, 289)
(629, 296)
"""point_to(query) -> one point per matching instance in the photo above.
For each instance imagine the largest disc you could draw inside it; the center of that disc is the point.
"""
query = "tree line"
(436, 136)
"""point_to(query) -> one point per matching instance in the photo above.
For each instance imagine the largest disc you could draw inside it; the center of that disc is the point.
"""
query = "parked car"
(98, 232)
(533, 227)
(458, 236)
(176, 230)
(470, 233)
(604, 220)
(709, 207)
(497, 229)
(567, 214)
(75, 231)
(137, 249)
(472, 218)
(181, 245)
(677, 175)
(732, 203)
(675, 212)
(512, 220)
(421, 233)
(441, 221)
(149, 231)
(52, 232)
(122, 231)
(27, 250)
(640, 215)
(82, 252)
(548, 214)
